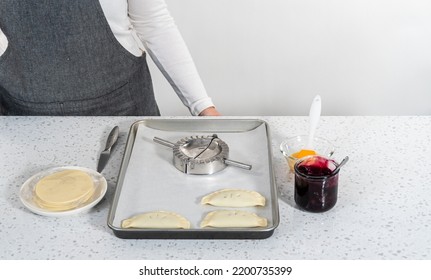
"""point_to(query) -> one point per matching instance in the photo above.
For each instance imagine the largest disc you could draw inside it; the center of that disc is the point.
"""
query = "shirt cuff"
(198, 106)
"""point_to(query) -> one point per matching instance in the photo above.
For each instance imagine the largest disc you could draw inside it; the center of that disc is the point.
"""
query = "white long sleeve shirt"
(141, 25)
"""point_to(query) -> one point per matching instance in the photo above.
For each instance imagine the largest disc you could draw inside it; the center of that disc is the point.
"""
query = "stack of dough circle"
(64, 190)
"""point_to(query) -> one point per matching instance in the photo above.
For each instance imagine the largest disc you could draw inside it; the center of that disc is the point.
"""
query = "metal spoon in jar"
(343, 162)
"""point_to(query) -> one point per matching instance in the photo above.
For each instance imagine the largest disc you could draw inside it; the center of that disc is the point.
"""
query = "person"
(86, 57)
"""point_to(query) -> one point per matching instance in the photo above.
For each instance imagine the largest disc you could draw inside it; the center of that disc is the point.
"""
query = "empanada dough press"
(201, 155)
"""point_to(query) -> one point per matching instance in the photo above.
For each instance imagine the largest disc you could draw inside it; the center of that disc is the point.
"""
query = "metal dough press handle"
(164, 142)
(237, 164)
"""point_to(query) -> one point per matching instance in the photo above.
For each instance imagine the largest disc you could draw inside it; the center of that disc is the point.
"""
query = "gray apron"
(63, 59)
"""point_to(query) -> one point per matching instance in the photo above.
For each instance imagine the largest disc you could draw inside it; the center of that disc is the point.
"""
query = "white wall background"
(271, 57)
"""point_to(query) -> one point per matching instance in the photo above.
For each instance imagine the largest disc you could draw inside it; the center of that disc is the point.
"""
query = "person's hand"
(210, 111)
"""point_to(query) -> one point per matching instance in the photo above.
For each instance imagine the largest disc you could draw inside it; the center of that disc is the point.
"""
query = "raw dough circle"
(64, 189)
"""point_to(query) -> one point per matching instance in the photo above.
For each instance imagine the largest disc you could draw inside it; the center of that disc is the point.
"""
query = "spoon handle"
(315, 110)
(343, 162)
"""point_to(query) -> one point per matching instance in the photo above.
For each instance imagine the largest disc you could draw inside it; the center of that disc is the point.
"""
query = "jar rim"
(315, 177)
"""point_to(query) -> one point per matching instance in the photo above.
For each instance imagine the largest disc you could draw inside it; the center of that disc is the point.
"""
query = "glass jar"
(316, 183)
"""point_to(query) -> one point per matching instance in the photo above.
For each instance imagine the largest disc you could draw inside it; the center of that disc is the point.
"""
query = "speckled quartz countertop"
(383, 209)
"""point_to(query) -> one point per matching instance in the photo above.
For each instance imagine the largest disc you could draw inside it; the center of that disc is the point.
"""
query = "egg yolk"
(304, 153)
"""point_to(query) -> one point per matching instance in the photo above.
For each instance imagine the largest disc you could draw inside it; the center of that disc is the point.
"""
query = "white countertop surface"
(383, 209)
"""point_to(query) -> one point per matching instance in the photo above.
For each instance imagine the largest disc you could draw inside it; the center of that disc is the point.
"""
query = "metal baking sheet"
(148, 180)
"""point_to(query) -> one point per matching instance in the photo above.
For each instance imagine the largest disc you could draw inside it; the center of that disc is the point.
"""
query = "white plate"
(26, 193)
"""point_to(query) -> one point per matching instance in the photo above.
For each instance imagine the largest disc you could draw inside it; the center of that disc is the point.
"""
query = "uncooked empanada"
(234, 198)
(233, 218)
(156, 219)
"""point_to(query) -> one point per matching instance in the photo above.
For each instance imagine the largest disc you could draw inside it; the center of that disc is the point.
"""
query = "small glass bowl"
(295, 144)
